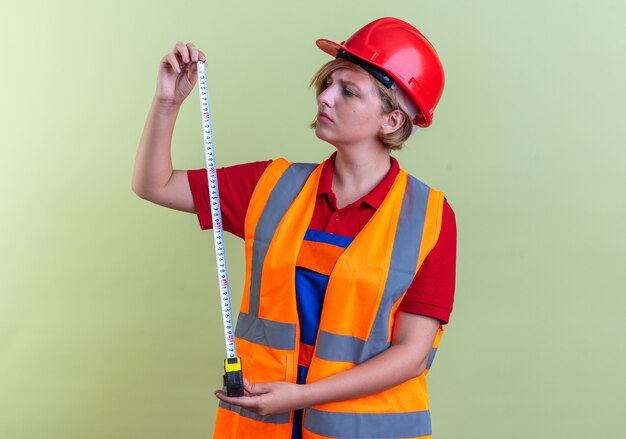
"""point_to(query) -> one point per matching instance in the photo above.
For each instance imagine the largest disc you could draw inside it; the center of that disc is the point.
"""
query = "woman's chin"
(322, 134)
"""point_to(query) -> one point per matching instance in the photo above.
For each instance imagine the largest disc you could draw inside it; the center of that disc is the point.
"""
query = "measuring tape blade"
(216, 214)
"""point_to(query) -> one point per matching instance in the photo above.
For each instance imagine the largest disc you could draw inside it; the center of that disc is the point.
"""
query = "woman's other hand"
(267, 399)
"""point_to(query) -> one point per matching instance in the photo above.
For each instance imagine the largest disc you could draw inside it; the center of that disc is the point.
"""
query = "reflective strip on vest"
(289, 185)
(249, 327)
(431, 358)
(265, 332)
(353, 425)
(281, 418)
(334, 347)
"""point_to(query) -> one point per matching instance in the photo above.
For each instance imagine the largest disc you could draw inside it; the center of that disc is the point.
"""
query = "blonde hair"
(391, 100)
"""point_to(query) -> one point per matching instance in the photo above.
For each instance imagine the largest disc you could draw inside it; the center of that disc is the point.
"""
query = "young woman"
(350, 264)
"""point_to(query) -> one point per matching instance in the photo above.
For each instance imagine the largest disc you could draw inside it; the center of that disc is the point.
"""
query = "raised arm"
(154, 178)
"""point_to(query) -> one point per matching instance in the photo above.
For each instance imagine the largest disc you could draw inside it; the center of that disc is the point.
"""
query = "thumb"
(192, 73)
(256, 388)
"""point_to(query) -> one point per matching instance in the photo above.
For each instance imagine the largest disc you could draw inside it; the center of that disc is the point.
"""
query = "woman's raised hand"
(178, 73)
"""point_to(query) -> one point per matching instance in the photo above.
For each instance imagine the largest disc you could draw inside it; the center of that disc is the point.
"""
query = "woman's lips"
(323, 117)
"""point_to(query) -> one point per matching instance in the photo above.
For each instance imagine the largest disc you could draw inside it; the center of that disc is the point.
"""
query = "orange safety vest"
(365, 288)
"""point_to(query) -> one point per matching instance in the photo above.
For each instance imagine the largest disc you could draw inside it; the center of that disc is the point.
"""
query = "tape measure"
(233, 377)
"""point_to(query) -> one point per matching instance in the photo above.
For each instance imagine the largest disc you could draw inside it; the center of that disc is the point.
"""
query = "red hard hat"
(404, 53)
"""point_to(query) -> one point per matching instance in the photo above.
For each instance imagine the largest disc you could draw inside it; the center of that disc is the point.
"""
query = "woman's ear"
(392, 122)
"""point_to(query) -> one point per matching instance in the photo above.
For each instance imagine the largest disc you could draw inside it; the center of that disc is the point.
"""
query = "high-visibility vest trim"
(431, 358)
(367, 425)
(404, 258)
(268, 333)
(281, 418)
(290, 184)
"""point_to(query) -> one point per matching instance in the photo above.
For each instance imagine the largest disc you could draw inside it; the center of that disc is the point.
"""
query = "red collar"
(374, 198)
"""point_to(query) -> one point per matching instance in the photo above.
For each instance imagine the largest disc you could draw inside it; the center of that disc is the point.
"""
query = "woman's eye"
(347, 92)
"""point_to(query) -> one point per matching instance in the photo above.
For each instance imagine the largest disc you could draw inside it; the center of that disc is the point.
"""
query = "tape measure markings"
(216, 215)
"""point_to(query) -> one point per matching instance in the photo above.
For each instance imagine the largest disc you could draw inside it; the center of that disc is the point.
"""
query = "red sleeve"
(236, 185)
(432, 291)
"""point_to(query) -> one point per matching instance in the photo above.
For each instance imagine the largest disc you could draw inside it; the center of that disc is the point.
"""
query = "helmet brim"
(330, 47)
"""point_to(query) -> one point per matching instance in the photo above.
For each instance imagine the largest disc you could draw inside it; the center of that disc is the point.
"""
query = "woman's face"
(349, 109)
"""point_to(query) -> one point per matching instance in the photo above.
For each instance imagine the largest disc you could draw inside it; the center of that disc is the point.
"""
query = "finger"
(241, 401)
(192, 73)
(247, 388)
(259, 388)
(170, 59)
(193, 52)
(201, 56)
(220, 394)
(181, 48)
(247, 385)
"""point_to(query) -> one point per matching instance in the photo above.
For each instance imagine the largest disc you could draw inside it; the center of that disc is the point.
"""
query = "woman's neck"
(357, 174)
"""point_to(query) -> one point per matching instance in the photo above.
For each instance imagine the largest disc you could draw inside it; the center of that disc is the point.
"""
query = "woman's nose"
(326, 97)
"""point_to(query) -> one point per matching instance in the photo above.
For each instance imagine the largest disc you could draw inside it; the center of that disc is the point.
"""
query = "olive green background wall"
(109, 318)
